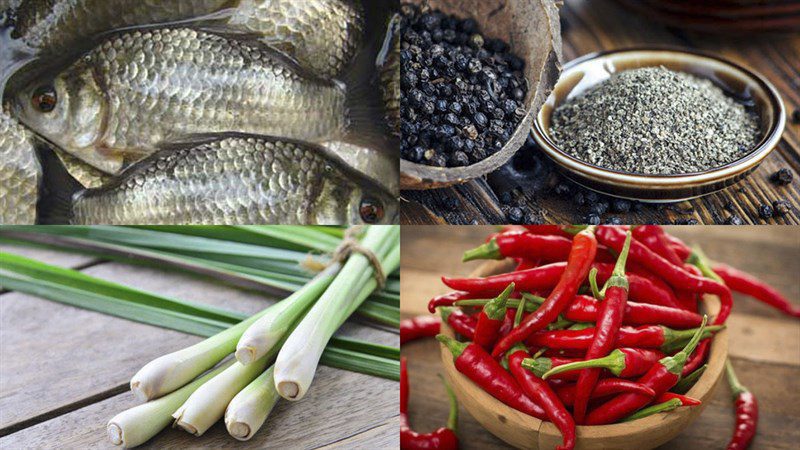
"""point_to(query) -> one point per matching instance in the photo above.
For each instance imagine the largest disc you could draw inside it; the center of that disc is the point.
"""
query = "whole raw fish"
(20, 173)
(146, 88)
(237, 180)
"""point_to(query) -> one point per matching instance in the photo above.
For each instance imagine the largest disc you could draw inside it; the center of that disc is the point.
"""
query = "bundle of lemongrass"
(276, 353)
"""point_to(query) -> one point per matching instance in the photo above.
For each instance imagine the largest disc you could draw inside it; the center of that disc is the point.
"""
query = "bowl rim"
(757, 154)
(705, 384)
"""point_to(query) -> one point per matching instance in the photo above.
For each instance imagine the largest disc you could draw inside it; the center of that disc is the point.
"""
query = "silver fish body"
(20, 173)
(145, 88)
(322, 35)
(237, 180)
(86, 175)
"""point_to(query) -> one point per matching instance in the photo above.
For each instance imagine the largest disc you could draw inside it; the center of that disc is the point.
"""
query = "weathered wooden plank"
(591, 26)
(342, 409)
(70, 355)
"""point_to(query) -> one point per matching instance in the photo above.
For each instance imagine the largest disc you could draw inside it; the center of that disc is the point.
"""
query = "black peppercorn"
(765, 211)
(796, 116)
(515, 215)
(782, 177)
(781, 207)
(734, 220)
(621, 206)
(592, 219)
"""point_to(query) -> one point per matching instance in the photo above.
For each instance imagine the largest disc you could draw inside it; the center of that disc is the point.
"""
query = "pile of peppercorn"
(461, 94)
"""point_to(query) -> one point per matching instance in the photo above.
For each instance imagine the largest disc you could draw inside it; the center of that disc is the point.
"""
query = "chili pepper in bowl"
(749, 285)
(581, 255)
(654, 237)
(442, 438)
(458, 321)
(419, 327)
(479, 366)
(609, 321)
(685, 401)
(666, 406)
(522, 245)
(604, 388)
(491, 318)
(448, 299)
(646, 336)
(746, 411)
(622, 362)
(585, 308)
(688, 379)
(661, 377)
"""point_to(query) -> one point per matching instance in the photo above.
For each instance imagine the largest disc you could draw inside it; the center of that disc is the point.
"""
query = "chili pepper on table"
(646, 336)
(675, 276)
(584, 249)
(604, 388)
(419, 327)
(609, 321)
(666, 406)
(491, 318)
(749, 285)
(443, 438)
(622, 362)
(746, 411)
(685, 401)
(539, 391)
(479, 366)
(458, 321)
(688, 379)
(661, 377)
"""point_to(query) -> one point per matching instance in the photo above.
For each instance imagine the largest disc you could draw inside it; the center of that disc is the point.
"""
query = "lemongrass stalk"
(298, 359)
(248, 411)
(139, 424)
(171, 371)
(207, 404)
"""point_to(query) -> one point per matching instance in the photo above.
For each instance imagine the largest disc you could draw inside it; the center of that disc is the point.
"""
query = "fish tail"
(366, 114)
(58, 190)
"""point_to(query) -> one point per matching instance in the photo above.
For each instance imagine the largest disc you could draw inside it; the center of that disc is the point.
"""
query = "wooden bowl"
(592, 69)
(532, 30)
(524, 431)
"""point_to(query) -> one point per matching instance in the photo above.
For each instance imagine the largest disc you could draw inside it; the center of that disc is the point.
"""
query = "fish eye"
(371, 210)
(44, 98)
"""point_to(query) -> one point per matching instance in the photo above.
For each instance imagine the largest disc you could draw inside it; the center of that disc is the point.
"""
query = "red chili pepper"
(675, 276)
(419, 327)
(654, 237)
(661, 377)
(604, 388)
(697, 358)
(747, 284)
(584, 249)
(622, 362)
(448, 299)
(538, 390)
(681, 249)
(685, 401)
(609, 321)
(491, 318)
(522, 245)
(555, 230)
(646, 336)
(479, 366)
(584, 309)
(459, 322)
(525, 264)
(746, 412)
(443, 438)
(508, 323)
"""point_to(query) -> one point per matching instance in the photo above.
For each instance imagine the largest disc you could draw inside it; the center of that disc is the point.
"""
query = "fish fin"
(58, 190)
(366, 123)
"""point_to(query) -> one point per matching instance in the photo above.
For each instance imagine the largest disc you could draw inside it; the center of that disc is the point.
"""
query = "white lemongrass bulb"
(207, 404)
(299, 357)
(264, 333)
(248, 411)
(139, 424)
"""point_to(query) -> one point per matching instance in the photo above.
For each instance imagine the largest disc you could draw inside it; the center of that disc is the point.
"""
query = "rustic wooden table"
(591, 26)
(64, 372)
(764, 344)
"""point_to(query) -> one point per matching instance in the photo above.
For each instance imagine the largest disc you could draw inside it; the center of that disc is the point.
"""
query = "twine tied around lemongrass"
(348, 246)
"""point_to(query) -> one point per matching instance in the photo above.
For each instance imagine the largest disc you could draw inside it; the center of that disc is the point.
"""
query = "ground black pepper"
(461, 93)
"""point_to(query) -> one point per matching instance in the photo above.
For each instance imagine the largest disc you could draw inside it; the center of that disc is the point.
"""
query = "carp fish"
(20, 173)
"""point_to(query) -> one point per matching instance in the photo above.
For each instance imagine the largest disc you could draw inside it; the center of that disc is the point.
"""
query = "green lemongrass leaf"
(380, 313)
(76, 280)
(333, 230)
(170, 241)
(227, 233)
(383, 351)
(362, 363)
(137, 312)
(304, 236)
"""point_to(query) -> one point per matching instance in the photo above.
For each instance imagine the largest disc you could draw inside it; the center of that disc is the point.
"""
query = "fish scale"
(20, 174)
(235, 180)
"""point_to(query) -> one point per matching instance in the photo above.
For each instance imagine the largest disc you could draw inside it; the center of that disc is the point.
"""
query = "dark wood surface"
(64, 371)
(764, 344)
(590, 26)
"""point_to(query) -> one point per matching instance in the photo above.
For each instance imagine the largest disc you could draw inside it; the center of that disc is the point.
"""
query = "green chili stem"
(518, 315)
(452, 417)
(614, 362)
(736, 387)
(489, 250)
(699, 259)
(455, 347)
(685, 384)
(668, 405)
